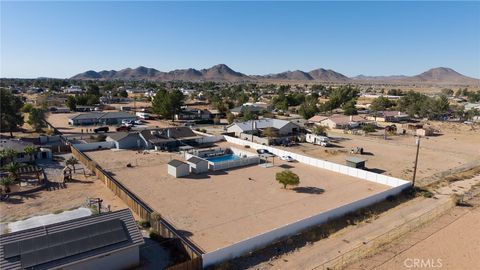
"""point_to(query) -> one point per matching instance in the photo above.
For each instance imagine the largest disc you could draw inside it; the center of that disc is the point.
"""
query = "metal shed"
(355, 162)
(178, 168)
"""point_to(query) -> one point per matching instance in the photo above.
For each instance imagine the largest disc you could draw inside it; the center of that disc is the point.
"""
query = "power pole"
(417, 142)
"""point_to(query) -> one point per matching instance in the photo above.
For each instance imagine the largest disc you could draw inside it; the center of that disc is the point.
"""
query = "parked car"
(287, 158)
(101, 130)
(123, 128)
(265, 152)
(138, 122)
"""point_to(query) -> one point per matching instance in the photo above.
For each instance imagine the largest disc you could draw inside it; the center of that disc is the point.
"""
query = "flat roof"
(55, 245)
(220, 208)
(355, 159)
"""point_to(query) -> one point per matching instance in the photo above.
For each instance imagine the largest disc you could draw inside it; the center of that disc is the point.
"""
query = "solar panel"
(59, 245)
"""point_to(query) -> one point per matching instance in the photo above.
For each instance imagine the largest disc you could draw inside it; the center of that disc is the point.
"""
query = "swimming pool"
(223, 158)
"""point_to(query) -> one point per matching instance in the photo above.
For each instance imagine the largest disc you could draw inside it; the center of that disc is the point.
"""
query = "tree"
(8, 154)
(6, 182)
(30, 151)
(12, 169)
(447, 92)
(368, 128)
(10, 115)
(309, 107)
(72, 103)
(248, 115)
(381, 104)
(167, 104)
(36, 119)
(269, 132)
(123, 93)
(319, 130)
(26, 108)
(287, 177)
(349, 107)
(72, 162)
(93, 89)
(230, 118)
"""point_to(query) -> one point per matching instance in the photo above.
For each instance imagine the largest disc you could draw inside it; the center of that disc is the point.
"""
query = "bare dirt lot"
(55, 200)
(221, 208)
(455, 146)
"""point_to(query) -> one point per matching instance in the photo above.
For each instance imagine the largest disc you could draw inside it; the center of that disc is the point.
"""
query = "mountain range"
(223, 73)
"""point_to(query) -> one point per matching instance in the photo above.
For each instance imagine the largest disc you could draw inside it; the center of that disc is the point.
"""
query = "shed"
(178, 168)
(198, 165)
(355, 162)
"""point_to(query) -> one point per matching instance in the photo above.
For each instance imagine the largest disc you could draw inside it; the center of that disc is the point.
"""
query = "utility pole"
(417, 142)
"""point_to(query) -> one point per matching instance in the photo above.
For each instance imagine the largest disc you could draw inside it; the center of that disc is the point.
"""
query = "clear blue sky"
(61, 39)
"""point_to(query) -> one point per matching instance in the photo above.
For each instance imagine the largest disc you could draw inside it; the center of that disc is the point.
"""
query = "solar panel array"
(55, 246)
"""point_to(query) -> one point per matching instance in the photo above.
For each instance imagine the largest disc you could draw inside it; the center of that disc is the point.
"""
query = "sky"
(62, 39)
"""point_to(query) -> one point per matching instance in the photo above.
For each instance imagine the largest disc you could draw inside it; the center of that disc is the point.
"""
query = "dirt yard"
(59, 199)
(457, 145)
(221, 208)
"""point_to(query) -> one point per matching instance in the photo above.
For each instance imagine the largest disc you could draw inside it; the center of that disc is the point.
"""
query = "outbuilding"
(355, 162)
(197, 165)
(178, 168)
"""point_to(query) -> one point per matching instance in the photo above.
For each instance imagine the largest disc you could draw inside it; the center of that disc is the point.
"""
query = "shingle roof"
(195, 160)
(263, 123)
(176, 163)
(134, 238)
(118, 136)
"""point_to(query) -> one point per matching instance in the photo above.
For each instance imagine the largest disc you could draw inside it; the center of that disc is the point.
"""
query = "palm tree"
(8, 155)
(12, 168)
(72, 161)
(6, 183)
(30, 151)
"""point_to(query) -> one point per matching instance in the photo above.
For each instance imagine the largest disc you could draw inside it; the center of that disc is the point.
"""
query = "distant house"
(317, 118)
(282, 127)
(105, 241)
(100, 118)
(471, 106)
(19, 147)
(190, 114)
(340, 121)
(248, 108)
(73, 89)
(388, 116)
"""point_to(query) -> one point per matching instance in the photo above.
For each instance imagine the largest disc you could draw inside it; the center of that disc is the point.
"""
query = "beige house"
(340, 121)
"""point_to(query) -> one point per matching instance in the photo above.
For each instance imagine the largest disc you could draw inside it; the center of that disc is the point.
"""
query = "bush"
(144, 224)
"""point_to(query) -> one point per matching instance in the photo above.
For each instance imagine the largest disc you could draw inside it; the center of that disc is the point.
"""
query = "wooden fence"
(159, 224)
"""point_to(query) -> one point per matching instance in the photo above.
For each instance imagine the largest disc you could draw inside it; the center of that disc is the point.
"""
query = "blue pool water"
(223, 158)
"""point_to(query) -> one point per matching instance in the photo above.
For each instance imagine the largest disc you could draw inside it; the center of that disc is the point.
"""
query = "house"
(189, 114)
(106, 241)
(100, 118)
(388, 116)
(178, 168)
(317, 118)
(197, 165)
(73, 89)
(340, 121)
(471, 106)
(19, 147)
(256, 109)
(282, 127)
(127, 140)
(169, 138)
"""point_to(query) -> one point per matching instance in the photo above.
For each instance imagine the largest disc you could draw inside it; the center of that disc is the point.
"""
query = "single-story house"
(193, 114)
(19, 147)
(106, 241)
(388, 116)
(317, 118)
(248, 108)
(169, 138)
(100, 118)
(340, 121)
(178, 168)
(282, 127)
(126, 140)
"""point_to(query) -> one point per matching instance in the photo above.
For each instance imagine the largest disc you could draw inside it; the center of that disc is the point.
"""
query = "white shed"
(178, 168)
(198, 165)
